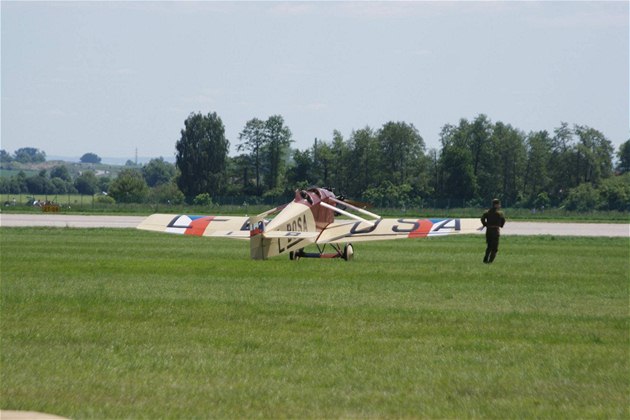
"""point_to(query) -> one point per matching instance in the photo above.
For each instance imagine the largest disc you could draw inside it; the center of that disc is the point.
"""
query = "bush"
(104, 199)
(583, 198)
(390, 195)
(167, 194)
(203, 199)
(542, 200)
(274, 193)
(129, 187)
(612, 194)
(615, 193)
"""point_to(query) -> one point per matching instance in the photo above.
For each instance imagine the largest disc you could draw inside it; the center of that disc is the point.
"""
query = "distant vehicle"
(308, 220)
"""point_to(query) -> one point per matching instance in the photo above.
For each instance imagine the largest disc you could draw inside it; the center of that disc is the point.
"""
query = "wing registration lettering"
(189, 225)
(447, 226)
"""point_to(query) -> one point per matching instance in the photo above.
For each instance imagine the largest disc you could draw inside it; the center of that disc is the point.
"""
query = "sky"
(113, 77)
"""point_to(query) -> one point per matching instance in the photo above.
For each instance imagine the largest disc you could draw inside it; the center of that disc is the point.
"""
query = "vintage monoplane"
(308, 220)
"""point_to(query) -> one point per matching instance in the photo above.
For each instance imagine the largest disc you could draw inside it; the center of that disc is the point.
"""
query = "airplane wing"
(383, 229)
(216, 226)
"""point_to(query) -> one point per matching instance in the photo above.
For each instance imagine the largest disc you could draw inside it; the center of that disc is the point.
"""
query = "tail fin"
(256, 238)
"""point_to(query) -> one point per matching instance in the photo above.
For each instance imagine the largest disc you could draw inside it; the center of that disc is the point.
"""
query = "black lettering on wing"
(413, 226)
(356, 231)
(448, 224)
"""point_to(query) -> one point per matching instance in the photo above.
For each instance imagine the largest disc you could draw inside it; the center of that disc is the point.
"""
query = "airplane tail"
(265, 243)
(257, 241)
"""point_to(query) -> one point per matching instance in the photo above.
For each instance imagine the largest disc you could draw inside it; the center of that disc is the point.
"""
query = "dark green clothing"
(493, 220)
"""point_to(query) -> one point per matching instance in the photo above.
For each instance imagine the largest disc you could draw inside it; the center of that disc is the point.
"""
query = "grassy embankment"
(122, 323)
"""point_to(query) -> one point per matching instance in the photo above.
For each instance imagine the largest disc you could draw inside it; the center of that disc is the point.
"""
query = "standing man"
(493, 220)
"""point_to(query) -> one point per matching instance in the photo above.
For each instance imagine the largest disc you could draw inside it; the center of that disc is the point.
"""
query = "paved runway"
(511, 228)
(69, 220)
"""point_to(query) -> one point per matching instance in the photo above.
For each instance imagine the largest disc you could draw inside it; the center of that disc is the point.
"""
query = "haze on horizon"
(110, 77)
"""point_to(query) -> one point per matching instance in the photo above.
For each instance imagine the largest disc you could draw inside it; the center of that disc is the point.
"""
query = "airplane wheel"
(348, 252)
(294, 256)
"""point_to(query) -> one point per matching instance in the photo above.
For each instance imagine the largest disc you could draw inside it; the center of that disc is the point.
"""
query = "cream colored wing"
(383, 229)
(222, 226)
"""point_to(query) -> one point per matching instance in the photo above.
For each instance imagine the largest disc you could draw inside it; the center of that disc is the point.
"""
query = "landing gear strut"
(347, 253)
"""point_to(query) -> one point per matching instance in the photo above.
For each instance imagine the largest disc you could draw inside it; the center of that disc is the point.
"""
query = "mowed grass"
(128, 324)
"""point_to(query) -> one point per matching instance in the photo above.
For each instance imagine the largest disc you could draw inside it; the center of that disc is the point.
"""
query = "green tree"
(322, 159)
(203, 199)
(456, 163)
(61, 186)
(509, 150)
(562, 163)
(253, 139)
(330, 163)
(158, 172)
(401, 152)
(30, 155)
(86, 183)
(19, 186)
(103, 183)
(435, 173)
(268, 145)
(277, 142)
(459, 181)
(104, 199)
(624, 157)
(5, 185)
(167, 193)
(90, 158)
(389, 195)
(240, 176)
(579, 154)
(337, 158)
(362, 162)
(39, 184)
(469, 143)
(302, 170)
(615, 193)
(13, 185)
(537, 179)
(129, 187)
(593, 155)
(479, 137)
(582, 198)
(5, 157)
(61, 171)
(202, 155)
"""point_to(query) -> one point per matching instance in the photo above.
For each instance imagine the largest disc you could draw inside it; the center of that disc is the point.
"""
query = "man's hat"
(496, 201)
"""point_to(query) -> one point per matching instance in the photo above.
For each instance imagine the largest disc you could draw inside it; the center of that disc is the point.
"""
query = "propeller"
(355, 203)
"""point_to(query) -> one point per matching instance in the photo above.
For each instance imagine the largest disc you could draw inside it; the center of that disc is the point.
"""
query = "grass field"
(128, 324)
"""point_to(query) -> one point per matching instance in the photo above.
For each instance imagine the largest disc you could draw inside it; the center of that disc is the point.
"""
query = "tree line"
(477, 160)
(153, 182)
(390, 166)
